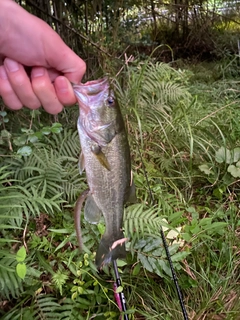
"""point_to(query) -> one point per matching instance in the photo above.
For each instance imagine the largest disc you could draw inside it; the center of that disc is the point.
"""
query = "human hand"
(27, 41)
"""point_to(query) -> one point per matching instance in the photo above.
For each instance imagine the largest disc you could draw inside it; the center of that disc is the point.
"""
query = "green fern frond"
(152, 255)
(46, 307)
(139, 221)
(51, 168)
(66, 143)
(10, 284)
(68, 311)
(59, 279)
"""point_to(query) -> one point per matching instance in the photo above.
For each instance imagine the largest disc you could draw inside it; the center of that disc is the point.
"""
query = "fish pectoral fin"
(92, 213)
(97, 151)
(132, 194)
(81, 163)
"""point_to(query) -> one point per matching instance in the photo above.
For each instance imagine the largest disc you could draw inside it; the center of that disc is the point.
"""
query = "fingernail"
(38, 72)
(3, 74)
(11, 65)
(62, 84)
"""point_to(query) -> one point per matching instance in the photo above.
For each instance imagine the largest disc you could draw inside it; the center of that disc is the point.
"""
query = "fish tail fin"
(110, 249)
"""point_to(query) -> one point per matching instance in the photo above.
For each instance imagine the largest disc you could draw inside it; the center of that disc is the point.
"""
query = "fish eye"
(110, 101)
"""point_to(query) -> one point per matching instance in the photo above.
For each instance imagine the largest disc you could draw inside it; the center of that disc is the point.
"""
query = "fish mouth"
(94, 85)
(88, 93)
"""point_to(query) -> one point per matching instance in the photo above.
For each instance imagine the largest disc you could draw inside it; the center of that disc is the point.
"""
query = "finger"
(21, 84)
(63, 59)
(45, 90)
(64, 91)
(8, 95)
(74, 68)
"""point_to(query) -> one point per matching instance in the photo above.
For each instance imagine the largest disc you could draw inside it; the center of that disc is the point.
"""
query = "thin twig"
(214, 112)
(70, 28)
(126, 63)
(24, 238)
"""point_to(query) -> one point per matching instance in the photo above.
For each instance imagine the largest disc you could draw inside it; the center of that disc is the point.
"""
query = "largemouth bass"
(105, 157)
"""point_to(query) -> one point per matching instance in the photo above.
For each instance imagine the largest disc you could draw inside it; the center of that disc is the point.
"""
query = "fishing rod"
(174, 276)
(121, 301)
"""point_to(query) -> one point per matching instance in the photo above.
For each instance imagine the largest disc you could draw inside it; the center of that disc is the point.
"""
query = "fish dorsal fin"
(81, 163)
(97, 151)
(92, 213)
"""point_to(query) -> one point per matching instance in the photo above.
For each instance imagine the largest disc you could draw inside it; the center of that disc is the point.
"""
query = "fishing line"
(174, 276)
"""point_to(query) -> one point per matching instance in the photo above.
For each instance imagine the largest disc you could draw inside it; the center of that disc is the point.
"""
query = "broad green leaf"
(21, 270)
(20, 141)
(21, 254)
(236, 154)
(5, 134)
(46, 130)
(101, 228)
(121, 263)
(179, 256)
(38, 134)
(206, 168)
(205, 221)
(223, 155)
(215, 225)
(136, 269)
(56, 127)
(234, 170)
(25, 151)
(3, 113)
(33, 138)
(119, 289)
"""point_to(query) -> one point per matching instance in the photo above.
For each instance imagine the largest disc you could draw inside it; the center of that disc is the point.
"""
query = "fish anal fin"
(92, 213)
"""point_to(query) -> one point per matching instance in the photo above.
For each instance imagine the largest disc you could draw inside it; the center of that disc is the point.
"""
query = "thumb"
(73, 68)
(64, 60)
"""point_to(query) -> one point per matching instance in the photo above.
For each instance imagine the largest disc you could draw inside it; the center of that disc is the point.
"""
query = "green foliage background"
(183, 126)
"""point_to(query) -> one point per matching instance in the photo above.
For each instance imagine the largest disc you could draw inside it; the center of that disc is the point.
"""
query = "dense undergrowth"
(183, 126)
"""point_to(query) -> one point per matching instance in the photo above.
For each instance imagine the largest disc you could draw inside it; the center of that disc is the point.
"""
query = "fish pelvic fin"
(110, 249)
(97, 151)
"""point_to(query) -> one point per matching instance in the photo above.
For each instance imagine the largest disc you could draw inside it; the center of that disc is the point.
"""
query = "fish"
(105, 157)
